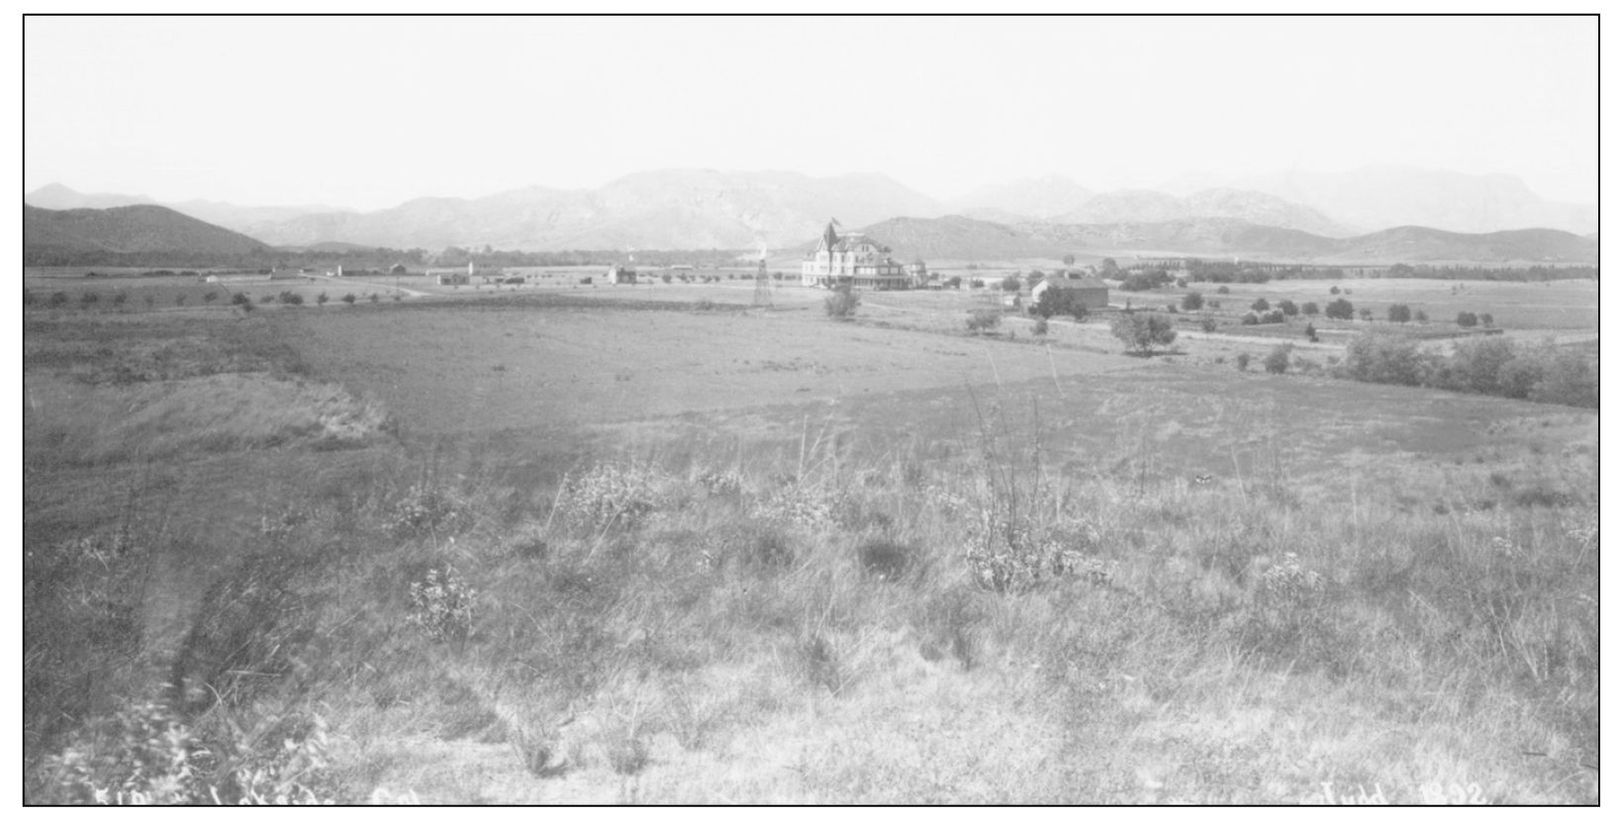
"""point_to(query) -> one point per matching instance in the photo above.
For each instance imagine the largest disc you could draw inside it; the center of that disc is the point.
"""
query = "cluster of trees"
(1142, 331)
(697, 258)
(1494, 365)
(1059, 301)
(1214, 271)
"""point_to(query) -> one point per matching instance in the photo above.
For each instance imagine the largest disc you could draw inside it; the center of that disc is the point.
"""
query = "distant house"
(452, 278)
(852, 260)
(397, 269)
(621, 273)
(1091, 293)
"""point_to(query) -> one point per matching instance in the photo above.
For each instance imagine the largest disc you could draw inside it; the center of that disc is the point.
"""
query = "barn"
(1090, 293)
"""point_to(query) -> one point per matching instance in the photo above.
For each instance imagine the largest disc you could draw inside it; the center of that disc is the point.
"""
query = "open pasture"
(689, 554)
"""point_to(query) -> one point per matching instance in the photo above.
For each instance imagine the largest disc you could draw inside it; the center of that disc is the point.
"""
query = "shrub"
(442, 605)
(1011, 283)
(1208, 325)
(321, 299)
(1242, 361)
(1277, 361)
(842, 304)
(1222, 290)
(349, 298)
(1334, 290)
(1486, 319)
(1312, 333)
(1141, 331)
(1288, 307)
(984, 320)
(1250, 319)
(1366, 313)
(240, 299)
(373, 297)
(211, 296)
(427, 512)
(612, 494)
(1467, 319)
(1171, 308)
(585, 281)
(1398, 313)
(1309, 308)
(1193, 302)
(88, 299)
(1275, 316)
(60, 299)
(1374, 357)
(119, 299)
(1339, 309)
(1421, 317)
(1039, 326)
(1260, 305)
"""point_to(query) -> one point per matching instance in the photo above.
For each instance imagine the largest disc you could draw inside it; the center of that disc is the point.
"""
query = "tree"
(120, 297)
(60, 299)
(1141, 331)
(1334, 290)
(1467, 319)
(1136, 283)
(321, 299)
(1222, 290)
(1309, 308)
(1312, 333)
(1011, 283)
(1421, 317)
(374, 297)
(1398, 313)
(349, 298)
(1193, 302)
(1242, 362)
(1034, 277)
(1486, 319)
(1278, 360)
(1260, 305)
(984, 320)
(1039, 327)
(1069, 259)
(1208, 325)
(1250, 319)
(1109, 269)
(841, 305)
(1058, 301)
(1288, 307)
(1366, 313)
(240, 298)
(1339, 309)
(180, 300)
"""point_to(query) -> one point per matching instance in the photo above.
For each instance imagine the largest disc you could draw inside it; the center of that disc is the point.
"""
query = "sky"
(371, 112)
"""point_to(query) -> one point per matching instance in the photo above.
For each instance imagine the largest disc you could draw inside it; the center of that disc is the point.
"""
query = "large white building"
(853, 260)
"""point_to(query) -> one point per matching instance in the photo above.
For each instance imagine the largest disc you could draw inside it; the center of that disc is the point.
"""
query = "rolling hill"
(137, 228)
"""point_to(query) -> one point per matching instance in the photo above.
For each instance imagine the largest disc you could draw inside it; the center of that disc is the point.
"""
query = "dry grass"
(1366, 591)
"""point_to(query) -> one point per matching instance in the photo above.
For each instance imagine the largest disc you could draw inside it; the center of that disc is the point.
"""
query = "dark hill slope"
(142, 228)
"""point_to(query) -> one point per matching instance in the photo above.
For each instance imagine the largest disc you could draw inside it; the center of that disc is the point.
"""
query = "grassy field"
(649, 546)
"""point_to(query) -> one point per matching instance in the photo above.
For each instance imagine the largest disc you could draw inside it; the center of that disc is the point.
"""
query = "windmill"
(763, 284)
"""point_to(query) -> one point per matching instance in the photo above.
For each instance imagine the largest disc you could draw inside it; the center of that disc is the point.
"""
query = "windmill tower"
(763, 284)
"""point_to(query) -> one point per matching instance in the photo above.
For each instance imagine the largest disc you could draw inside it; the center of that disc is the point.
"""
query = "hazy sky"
(371, 112)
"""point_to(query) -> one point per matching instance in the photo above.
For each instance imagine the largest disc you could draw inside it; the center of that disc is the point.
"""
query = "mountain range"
(960, 238)
(701, 209)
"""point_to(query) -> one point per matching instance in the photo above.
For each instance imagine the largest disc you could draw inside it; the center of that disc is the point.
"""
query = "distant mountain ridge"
(1384, 196)
(961, 238)
(704, 209)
